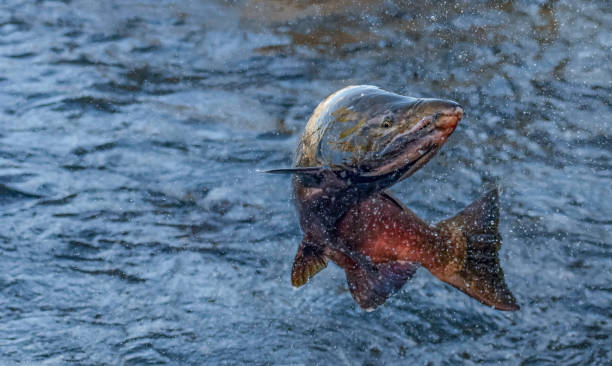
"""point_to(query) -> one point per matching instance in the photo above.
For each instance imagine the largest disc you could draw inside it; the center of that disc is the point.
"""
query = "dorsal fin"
(308, 261)
(391, 197)
(482, 216)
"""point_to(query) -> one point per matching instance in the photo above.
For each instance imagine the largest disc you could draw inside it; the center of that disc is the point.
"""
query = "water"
(136, 230)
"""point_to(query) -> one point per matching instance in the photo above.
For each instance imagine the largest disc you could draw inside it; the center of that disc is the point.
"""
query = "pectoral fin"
(296, 170)
(308, 176)
(308, 261)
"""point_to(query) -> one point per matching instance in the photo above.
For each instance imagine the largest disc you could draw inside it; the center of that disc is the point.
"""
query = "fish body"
(358, 142)
(461, 251)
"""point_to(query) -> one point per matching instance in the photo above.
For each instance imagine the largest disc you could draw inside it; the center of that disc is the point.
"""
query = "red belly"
(381, 230)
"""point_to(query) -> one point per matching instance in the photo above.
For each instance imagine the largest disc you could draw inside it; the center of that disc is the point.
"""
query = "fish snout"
(447, 114)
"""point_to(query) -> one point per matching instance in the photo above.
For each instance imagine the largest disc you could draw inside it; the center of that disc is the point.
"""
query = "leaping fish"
(358, 142)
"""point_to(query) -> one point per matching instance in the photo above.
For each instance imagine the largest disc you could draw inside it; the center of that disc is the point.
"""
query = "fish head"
(382, 135)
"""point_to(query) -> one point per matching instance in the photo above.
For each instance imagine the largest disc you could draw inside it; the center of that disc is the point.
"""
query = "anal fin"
(372, 284)
(308, 261)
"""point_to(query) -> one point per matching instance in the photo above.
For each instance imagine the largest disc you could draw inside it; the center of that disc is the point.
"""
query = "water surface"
(135, 229)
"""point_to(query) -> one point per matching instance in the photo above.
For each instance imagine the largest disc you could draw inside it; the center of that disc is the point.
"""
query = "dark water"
(135, 229)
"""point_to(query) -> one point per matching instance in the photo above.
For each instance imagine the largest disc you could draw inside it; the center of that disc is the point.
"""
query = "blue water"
(135, 230)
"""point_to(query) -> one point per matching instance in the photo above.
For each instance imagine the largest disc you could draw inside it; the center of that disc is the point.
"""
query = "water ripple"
(136, 229)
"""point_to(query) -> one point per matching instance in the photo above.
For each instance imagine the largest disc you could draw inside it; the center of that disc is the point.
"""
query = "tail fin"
(480, 276)
(372, 284)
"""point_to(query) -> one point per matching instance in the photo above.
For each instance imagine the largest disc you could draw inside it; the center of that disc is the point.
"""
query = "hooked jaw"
(410, 150)
(445, 114)
(448, 118)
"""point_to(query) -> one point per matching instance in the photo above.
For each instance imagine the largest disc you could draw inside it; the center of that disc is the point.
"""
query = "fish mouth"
(439, 125)
(424, 139)
(449, 119)
(410, 150)
(401, 167)
(420, 161)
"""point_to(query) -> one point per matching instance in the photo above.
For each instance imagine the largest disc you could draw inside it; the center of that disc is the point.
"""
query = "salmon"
(360, 141)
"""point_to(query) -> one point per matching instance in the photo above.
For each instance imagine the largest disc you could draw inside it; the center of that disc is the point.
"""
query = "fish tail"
(478, 273)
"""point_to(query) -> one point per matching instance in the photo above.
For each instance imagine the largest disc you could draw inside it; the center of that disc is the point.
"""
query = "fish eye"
(387, 122)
